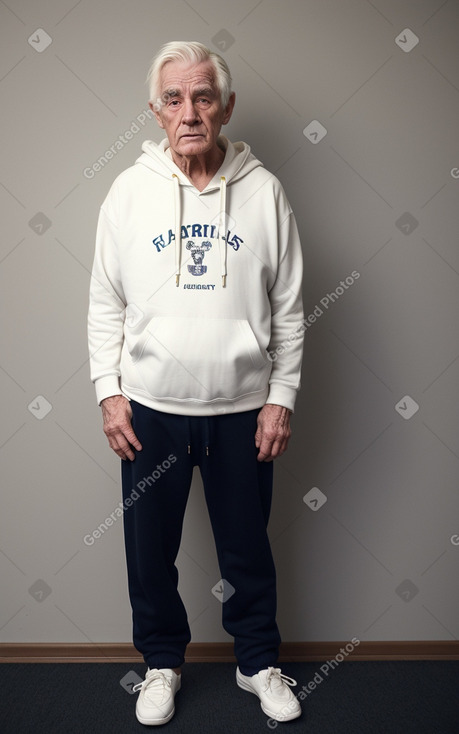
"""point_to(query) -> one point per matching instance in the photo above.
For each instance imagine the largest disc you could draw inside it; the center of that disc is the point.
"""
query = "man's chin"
(188, 146)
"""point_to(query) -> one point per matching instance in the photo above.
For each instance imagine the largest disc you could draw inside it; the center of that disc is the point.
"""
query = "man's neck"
(200, 169)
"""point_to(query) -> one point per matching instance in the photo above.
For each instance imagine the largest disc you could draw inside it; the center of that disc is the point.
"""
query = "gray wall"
(378, 194)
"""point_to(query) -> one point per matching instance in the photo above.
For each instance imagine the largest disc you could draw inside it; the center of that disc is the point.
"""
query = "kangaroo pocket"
(193, 359)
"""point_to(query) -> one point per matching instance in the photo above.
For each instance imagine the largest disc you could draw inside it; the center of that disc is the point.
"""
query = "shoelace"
(152, 676)
(274, 674)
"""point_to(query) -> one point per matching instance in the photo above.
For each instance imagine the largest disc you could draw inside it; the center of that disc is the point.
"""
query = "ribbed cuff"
(281, 395)
(106, 387)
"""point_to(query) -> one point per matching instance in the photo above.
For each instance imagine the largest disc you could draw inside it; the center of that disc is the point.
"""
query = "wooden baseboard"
(212, 652)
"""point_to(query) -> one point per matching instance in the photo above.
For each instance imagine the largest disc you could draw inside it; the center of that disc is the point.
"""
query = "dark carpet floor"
(355, 698)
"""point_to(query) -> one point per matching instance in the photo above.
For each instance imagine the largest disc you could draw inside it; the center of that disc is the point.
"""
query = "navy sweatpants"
(238, 492)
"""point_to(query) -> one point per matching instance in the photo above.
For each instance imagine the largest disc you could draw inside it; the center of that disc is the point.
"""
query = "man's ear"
(229, 109)
(154, 108)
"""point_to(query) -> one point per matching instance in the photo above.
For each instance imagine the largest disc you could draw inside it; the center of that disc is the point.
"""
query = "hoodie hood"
(238, 162)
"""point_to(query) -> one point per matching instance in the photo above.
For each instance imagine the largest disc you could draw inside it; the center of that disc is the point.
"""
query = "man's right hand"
(117, 414)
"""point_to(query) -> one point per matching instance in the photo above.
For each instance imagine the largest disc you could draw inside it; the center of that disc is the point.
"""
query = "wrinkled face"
(191, 111)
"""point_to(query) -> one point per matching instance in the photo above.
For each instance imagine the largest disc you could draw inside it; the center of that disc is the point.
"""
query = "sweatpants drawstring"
(207, 434)
(188, 430)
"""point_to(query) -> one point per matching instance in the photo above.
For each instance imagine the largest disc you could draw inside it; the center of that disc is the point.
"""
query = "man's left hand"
(273, 431)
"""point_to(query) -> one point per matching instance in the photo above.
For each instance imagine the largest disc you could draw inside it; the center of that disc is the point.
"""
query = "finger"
(277, 449)
(272, 449)
(121, 447)
(275, 452)
(132, 438)
(264, 453)
(127, 429)
(127, 452)
(117, 450)
(283, 446)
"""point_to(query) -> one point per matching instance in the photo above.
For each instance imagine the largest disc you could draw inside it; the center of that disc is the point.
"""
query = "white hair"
(188, 52)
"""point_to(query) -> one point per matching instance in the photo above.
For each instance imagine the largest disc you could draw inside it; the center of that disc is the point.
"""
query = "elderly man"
(195, 336)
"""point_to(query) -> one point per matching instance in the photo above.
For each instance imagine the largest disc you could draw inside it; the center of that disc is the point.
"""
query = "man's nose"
(190, 115)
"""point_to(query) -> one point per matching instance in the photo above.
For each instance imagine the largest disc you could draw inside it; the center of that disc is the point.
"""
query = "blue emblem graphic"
(197, 253)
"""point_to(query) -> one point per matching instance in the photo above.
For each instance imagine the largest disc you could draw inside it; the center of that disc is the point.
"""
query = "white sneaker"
(272, 688)
(155, 704)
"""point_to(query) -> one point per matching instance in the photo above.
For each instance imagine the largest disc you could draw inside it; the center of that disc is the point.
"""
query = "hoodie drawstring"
(222, 230)
(177, 228)
(222, 249)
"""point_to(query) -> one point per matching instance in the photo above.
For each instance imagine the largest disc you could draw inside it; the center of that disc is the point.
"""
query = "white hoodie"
(195, 299)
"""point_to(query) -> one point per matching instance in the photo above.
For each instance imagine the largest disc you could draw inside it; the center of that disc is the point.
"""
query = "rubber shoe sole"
(157, 722)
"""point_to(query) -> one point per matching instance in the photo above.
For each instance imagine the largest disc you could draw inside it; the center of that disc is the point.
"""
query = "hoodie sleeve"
(106, 307)
(287, 327)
